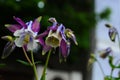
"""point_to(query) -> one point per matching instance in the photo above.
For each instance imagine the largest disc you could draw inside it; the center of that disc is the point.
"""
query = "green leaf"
(24, 62)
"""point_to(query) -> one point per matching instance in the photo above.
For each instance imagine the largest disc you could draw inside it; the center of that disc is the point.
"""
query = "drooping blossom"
(58, 36)
(91, 60)
(104, 53)
(112, 32)
(9, 47)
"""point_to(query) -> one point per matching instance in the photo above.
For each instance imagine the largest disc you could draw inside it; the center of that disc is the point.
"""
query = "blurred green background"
(77, 15)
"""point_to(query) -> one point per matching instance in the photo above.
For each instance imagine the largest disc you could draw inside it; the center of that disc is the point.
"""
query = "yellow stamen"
(27, 38)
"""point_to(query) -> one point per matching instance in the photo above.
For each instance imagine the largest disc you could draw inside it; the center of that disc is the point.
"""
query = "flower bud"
(112, 34)
(105, 52)
(8, 38)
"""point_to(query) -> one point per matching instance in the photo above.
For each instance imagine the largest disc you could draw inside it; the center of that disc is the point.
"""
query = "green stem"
(33, 65)
(45, 67)
(27, 56)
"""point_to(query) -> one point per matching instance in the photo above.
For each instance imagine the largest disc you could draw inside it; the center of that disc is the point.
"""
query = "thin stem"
(45, 67)
(27, 56)
(34, 67)
(114, 68)
(101, 67)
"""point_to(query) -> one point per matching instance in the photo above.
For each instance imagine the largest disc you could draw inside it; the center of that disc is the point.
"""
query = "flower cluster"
(26, 36)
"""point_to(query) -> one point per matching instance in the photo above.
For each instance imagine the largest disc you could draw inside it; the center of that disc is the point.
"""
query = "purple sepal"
(64, 48)
(20, 22)
(13, 27)
(45, 49)
(40, 37)
(36, 25)
(41, 41)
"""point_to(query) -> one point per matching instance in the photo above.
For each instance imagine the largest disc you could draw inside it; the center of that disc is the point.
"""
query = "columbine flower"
(53, 39)
(25, 33)
(58, 36)
(112, 32)
(25, 36)
(69, 33)
(105, 53)
(91, 60)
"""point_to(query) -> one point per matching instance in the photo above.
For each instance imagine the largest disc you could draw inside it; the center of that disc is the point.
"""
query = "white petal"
(29, 25)
(34, 34)
(19, 42)
(35, 45)
(32, 45)
(18, 32)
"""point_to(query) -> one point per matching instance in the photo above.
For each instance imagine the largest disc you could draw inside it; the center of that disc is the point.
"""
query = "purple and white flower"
(24, 33)
(58, 36)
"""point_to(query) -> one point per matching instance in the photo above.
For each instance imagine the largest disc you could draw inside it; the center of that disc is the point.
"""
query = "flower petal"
(41, 41)
(53, 20)
(40, 37)
(105, 53)
(12, 27)
(61, 29)
(65, 48)
(18, 32)
(29, 25)
(46, 48)
(20, 22)
(9, 47)
(53, 40)
(54, 24)
(112, 33)
(36, 25)
(69, 33)
(74, 39)
(19, 42)
(42, 34)
(32, 45)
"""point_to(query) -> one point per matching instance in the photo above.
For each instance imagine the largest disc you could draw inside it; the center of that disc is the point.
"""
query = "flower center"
(53, 40)
(26, 38)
